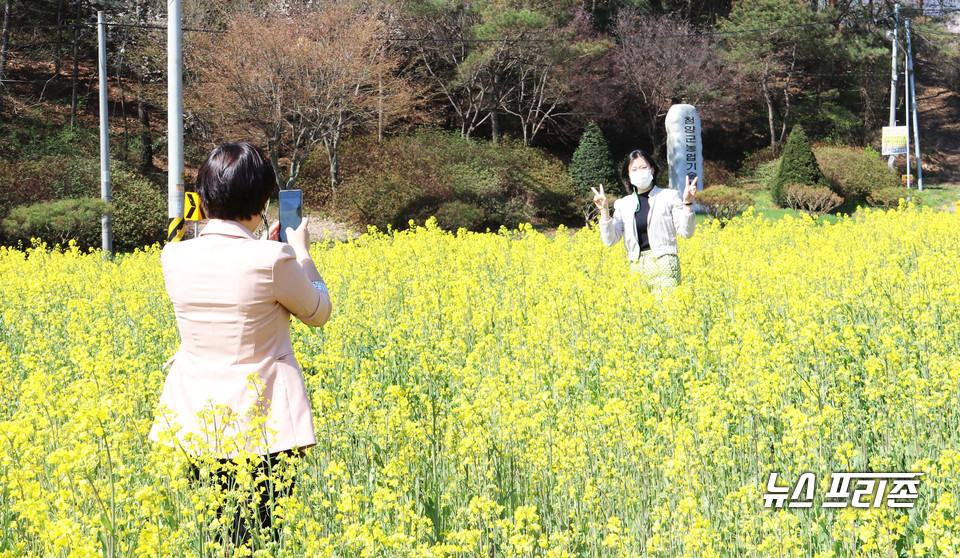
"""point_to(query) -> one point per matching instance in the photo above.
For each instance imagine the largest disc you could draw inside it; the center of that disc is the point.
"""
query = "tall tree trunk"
(3, 49)
(769, 99)
(495, 126)
(76, 66)
(380, 110)
(146, 141)
(786, 94)
(332, 143)
(123, 108)
(59, 43)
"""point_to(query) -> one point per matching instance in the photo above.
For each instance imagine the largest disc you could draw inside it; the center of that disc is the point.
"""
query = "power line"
(122, 25)
(463, 39)
(61, 26)
(162, 27)
(929, 31)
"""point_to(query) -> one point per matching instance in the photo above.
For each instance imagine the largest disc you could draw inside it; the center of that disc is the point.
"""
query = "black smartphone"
(291, 211)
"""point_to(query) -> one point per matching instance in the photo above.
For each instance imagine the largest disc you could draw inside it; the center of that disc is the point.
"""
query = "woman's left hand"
(691, 190)
(273, 233)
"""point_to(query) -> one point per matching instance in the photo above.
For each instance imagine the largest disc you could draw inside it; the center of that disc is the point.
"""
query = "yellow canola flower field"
(512, 394)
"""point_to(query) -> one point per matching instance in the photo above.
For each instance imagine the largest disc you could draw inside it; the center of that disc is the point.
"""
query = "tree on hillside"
(138, 54)
(299, 80)
(794, 36)
(4, 47)
(522, 52)
(492, 58)
(664, 60)
(592, 163)
(798, 166)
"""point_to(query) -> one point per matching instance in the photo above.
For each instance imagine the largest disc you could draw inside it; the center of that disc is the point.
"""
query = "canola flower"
(511, 394)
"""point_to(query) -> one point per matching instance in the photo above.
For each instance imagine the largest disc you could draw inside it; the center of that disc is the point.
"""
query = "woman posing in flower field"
(648, 221)
(234, 387)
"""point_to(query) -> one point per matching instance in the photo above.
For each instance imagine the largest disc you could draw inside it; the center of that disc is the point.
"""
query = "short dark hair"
(235, 182)
(625, 170)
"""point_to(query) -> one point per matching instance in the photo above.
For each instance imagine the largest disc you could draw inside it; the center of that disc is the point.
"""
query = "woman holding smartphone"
(234, 385)
(648, 220)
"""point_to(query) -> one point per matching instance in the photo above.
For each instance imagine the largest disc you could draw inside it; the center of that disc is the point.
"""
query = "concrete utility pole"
(913, 101)
(906, 112)
(893, 75)
(175, 225)
(105, 223)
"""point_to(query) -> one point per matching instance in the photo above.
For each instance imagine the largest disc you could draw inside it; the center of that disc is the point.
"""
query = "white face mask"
(641, 179)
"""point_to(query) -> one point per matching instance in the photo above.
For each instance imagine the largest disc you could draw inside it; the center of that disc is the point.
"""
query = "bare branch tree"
(665, 60)
(301, 79)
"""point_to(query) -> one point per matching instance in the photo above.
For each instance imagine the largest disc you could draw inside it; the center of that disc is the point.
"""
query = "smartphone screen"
(291, 211)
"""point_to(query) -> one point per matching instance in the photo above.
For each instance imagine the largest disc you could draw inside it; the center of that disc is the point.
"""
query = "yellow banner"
(894, 140)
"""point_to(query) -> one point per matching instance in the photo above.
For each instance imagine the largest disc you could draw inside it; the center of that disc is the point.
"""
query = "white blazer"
(667, 218)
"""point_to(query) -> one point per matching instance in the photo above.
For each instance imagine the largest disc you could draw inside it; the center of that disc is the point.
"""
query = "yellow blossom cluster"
(516, 394)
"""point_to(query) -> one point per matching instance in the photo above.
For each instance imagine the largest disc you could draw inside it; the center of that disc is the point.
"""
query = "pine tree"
(592, 164)
(798, 166)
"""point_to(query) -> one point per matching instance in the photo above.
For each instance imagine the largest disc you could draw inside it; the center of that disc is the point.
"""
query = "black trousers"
(254, 515)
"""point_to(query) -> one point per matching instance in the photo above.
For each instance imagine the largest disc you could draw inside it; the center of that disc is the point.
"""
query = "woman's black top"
(643, 211)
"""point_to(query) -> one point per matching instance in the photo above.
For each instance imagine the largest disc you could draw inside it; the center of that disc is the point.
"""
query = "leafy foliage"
(592, 164)
(58, 222)
(715, 174)
(140, 211)
(889, 197)
(401, 179)
(853, 173)
(724, 202)
(798, 166)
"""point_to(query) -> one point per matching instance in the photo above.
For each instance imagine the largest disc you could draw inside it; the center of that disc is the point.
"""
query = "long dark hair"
(625, 169)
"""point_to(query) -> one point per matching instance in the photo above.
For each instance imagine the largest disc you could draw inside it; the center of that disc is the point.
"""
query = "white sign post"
(684, 146)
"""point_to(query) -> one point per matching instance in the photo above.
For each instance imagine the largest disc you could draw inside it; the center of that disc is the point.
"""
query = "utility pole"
(913, 100)
(906, 111)
(105, 224)
(893, 75)
(175, 225)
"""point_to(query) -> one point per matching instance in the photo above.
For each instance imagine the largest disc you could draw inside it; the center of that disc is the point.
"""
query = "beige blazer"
(234, 383)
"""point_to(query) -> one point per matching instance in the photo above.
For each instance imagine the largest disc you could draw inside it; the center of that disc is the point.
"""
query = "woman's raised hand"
(600, 200)
(299, 238)
(691, 190)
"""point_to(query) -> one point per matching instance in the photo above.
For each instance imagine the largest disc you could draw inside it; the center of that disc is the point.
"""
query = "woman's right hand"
(600, 200)
(299, 238)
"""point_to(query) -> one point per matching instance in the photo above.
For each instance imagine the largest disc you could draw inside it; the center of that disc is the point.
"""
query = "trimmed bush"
(889, 197)
(714, 174)
(458, 215)
(592, 164)
(723, 202)
(797, 166)
(140, 211)
(411, 178)
(853, 174)
(58, 222)
(816, 200)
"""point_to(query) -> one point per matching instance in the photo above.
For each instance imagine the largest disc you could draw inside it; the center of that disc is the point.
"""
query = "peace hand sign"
(691, 189)
(600, 200)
